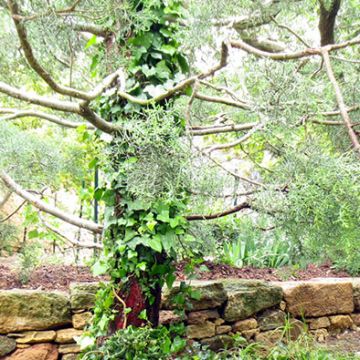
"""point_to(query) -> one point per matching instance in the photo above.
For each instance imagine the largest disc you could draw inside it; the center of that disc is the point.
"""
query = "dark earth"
(51, 277)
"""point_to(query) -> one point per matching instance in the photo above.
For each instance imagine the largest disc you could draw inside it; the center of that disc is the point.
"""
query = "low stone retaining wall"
(44, 325)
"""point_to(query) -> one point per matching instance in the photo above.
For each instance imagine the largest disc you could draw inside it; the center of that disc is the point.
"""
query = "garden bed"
(52, 277)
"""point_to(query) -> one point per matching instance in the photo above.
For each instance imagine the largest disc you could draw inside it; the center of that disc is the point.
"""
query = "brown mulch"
(211, 271)
(59, 277)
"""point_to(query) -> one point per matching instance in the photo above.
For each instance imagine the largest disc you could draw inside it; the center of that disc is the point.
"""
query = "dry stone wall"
(44, 325)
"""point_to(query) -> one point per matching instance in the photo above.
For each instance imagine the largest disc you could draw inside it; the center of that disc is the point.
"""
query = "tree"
(142, 116)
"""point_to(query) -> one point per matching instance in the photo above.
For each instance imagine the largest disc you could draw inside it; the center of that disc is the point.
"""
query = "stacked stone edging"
(38, 324)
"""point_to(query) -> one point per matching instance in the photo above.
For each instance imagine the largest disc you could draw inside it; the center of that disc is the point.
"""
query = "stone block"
(83, 295)
(67, 336)
(218, 342)
(223, 329)
(32, 310)
(243, 325)
(7, 345)
(271, 319)
(200, 331)
(197, 317)
(247, 297)
(318, 323)
(36, 337)
(81, 320)
(35, 352)
(316, 298)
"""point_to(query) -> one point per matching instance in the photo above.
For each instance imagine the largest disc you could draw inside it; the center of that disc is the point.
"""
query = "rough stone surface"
(219, 321)
(80, 320)
(35, 352)
(250, 334)
(247, 297)
(7, 345)
(340, 322)
(82, 295)
(218, 342)
(269, 338)
(36, 337)
(356, 319)
(69, 349)
(320, 335)
(197, 317)
(318, 323)
(200, 331)
(223, 329)
(67, 336)
(167, 317)
(247, 324)
(69, 357)
(318, 297)
(356, 288)
(271, 319)
(32, 310)
(297, 328)
(212, 295)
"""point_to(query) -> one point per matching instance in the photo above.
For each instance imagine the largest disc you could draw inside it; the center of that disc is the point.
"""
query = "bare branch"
(239, 44)
(65, 106)
(340, 101)
(233, 210)
(236, 142)
(16, 114)
(71, 241)
(208, 130)
(52, 210)
(219, 100)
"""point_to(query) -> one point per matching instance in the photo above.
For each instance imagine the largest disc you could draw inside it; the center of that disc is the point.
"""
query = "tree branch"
(239, 44)
(16, 114)
(52, 210)
(208, 130)
(340, 101)
(233, 210)
(236, 142)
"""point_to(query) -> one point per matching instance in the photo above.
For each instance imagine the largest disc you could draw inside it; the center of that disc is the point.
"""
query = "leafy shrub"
(138, 344)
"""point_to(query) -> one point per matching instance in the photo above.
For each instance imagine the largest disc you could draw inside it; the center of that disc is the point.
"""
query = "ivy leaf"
(129, 234)
(178, 344)
(100, 268)
(155, 243)
(170, 279)
(168, 240)
(162, 70)
(164, 216)
(154, 91)
(168, 49)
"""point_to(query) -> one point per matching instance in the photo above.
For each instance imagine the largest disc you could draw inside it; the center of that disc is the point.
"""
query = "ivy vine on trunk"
(141, 234)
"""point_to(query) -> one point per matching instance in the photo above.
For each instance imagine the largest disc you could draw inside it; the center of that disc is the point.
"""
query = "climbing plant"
(143, 230)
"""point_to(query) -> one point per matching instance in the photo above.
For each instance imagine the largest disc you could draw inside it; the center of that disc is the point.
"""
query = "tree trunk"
(327, 21)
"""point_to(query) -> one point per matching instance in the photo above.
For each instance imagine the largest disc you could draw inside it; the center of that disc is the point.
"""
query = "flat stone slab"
(32, 310)
(83, 295)
(247, 297)
(211, 295)
(318, 297)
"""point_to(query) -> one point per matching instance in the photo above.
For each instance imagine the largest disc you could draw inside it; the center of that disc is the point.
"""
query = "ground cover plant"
(183, 130)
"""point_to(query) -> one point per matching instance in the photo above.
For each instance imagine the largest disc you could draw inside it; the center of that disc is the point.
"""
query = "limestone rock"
(223, 329)
(83, 295)
(356, 288)
(7, 345)
(356, 319)
(218, 342)
(22, 346)
(67, 336)
(244, 325)
(32, 310)
(167, 317)
(69, 349)
(35, 352)
(80, 320)
(247, 297)
(340, 322)
(269, 338)
(271, 319)
(318, 297)
(250, 334)
(282, 305)
(36, 337)
(69, 357)
(212, 295)
(197, 317)
(200, 331)
(318, 323)
(219, 321)
(320, 335)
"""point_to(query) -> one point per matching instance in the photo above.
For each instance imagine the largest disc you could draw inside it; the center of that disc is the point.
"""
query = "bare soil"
(51, 277)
